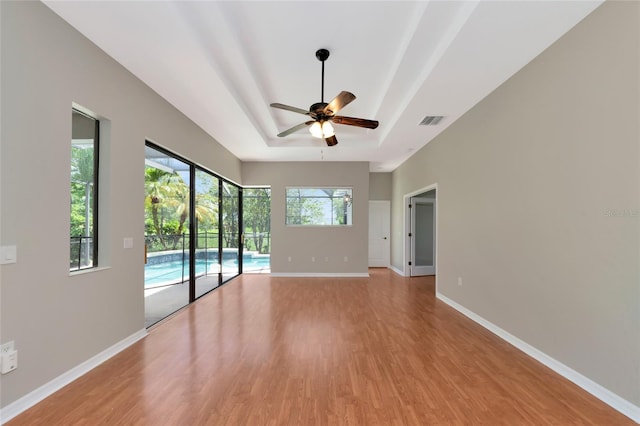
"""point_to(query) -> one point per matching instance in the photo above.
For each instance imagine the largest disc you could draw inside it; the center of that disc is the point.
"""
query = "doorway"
(420, 232)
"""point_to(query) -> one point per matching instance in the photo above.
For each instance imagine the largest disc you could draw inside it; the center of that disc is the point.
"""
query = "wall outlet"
(8, 357)
(346, 258)
(460, 281)
(289, 259)
(7, 347)
(313, 258)
(8, 254)
(9, 361)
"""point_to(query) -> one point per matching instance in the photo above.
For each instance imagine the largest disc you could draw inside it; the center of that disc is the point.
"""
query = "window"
(319, 206)
(84, 191)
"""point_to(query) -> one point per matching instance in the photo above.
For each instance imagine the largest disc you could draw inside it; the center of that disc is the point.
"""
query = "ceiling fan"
(323, 113)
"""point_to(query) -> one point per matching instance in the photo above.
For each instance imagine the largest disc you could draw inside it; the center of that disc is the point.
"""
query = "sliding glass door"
(256, 222)
(231, 237)
(167, 195)
(192, 232)
(207, 229)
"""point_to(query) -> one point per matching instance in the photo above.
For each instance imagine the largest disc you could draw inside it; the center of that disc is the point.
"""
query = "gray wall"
(538, 192)
(380, 186)
(539, 202)
(303, 243)
(56, 320)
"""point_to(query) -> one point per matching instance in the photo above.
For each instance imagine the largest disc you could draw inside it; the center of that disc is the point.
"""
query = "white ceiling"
(223, 63)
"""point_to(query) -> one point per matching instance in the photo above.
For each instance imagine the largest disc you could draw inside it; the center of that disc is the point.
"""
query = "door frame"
(412, 246)
(406, 227)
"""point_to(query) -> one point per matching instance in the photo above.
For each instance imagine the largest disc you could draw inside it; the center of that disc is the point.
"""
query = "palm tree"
(156, 190)
(168, 191)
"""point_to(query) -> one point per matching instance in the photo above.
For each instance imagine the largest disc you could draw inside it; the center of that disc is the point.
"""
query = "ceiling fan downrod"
(322, 55)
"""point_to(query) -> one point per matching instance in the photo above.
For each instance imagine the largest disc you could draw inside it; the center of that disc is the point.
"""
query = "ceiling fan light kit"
(321, 130)
(323, 113)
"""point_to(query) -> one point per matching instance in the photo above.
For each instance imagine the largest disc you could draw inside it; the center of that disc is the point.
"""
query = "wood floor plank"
(264, 350)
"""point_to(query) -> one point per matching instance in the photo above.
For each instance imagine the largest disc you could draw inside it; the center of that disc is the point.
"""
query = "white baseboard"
(397, 271)
(605, 395)
(32, 398)
(321, 275)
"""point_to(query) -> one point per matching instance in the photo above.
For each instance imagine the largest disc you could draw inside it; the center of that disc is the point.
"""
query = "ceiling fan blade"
(342, 100)
(331, 140)
(358, 122)
(294, 129)
(290, 108)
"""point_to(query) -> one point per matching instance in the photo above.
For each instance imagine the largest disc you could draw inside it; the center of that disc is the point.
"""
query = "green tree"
(206, 210)
(167, 198)
(156, 191)
(256, 216)
(81, 191)
(167, 203)
(82, 202)
(303, 209)
(230, 215)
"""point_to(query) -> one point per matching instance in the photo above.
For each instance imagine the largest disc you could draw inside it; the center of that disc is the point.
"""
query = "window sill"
(317, 226)
(88, 271)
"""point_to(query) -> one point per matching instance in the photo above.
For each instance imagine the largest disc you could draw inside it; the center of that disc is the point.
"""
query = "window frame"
(349, 213)
(96, 195)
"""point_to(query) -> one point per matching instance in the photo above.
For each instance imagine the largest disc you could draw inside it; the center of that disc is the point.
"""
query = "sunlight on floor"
(151, 291)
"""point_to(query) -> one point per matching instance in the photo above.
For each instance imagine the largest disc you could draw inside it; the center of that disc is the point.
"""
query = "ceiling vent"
(431, 120)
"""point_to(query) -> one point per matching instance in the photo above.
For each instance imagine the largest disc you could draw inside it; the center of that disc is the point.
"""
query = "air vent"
(431, 120)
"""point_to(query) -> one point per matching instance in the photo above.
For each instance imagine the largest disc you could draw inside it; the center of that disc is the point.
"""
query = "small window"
(84, 191)
(319, 206)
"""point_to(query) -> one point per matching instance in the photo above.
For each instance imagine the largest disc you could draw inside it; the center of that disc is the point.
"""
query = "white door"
(423, 236)
(379, 230)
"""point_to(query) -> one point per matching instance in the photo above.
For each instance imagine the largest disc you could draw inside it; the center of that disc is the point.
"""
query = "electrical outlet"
(313, 258)
(9, 362)
(460, 281)
(8, 254)
(346, 258)
(8, 357)
(7, 347)
(289, 258)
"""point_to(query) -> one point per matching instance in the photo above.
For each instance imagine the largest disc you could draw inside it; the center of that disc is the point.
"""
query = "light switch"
(128, 243)
(8, 254)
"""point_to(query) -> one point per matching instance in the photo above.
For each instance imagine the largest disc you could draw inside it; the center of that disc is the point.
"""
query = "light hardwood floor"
(321, 351)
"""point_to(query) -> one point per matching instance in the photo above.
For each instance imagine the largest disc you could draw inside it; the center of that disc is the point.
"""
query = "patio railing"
(208, 240)
(81, 253)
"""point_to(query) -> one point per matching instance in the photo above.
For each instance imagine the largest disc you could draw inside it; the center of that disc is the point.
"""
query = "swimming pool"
(172, 272)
